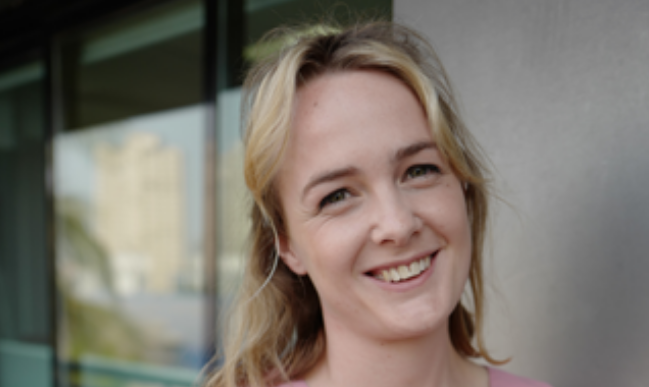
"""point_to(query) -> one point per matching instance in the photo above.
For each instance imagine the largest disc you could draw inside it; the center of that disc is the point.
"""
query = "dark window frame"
(32, 31)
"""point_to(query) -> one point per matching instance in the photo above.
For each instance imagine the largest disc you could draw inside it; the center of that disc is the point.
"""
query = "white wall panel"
(557, 92)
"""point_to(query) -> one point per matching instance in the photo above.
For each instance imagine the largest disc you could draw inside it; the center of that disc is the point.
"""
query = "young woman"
(368, 220)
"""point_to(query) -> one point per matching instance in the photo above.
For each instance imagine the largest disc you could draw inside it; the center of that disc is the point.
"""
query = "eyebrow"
(412, 150)
(329, 176)
(401, 154)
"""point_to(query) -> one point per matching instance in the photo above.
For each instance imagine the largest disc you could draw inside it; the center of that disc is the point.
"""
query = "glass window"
(132, 165)
(129, 201)
(25, 307)
(143, 63)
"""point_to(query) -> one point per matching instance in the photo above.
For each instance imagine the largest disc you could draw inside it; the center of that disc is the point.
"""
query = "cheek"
(445, 210)
(332, 248)
(460, 230)
(446, 213)
(460, 234)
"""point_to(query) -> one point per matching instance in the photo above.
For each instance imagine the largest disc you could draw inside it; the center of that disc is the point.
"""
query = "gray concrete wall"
(557, 92)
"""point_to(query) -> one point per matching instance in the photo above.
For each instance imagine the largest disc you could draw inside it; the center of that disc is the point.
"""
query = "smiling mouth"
(403, 273)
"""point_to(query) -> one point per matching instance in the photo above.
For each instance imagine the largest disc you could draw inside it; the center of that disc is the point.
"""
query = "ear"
(289, 257)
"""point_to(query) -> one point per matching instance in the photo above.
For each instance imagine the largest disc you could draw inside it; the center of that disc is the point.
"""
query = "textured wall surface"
(557, 92)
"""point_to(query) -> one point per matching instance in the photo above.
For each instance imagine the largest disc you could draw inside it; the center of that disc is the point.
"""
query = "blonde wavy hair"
(276, 330)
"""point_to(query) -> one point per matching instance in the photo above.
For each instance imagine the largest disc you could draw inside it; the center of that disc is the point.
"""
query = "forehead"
(350, 100)
(340, 84)
(351, 118)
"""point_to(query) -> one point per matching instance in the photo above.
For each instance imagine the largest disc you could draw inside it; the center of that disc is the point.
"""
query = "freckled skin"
(362, 119)
(380, 210)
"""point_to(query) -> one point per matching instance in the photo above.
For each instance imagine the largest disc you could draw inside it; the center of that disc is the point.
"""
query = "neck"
(429, 360)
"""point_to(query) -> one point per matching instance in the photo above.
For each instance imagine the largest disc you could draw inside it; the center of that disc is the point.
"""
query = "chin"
(408, 326)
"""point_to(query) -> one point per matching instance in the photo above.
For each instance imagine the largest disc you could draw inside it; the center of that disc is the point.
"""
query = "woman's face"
(374, 215)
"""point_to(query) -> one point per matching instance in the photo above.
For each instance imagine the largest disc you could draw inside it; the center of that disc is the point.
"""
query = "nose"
(394, 220)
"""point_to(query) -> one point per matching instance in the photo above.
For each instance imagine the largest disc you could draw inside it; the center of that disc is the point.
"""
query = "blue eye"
(334, 197)
(421, 170)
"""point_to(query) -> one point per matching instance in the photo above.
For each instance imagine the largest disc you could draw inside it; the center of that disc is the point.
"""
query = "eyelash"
(427, 169)
(331, 198)
(335, 197)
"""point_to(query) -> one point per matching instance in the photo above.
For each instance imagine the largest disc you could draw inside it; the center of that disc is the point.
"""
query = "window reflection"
(138, 212)
(129, 244)
(130, 173)
(129, 197)
(142, 63)
(233, 196)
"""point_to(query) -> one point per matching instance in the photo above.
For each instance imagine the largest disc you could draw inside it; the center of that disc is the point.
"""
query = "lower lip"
(411, 283)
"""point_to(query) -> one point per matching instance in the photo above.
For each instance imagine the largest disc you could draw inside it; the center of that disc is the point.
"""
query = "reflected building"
(139, 213)
(234, 222)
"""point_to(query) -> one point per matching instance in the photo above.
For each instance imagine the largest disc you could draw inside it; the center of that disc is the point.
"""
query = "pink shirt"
(497, 378)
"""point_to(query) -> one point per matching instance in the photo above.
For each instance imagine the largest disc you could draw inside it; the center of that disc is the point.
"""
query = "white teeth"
(404, 272)
(414, 268)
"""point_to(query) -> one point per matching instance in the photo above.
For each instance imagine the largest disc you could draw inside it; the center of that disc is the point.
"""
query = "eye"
(334, 197)
(417, 171)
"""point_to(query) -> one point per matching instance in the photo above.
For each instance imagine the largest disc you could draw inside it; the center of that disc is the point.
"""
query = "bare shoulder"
(500, 378)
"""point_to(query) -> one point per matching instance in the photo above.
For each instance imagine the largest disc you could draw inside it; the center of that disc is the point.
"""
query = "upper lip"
(398, 263)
